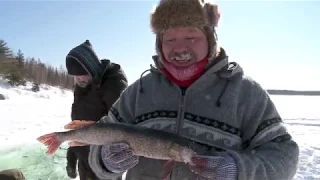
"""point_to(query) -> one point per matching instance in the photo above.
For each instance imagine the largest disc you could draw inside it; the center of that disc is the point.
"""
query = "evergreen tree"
(17, 69)
(5, 51)
(20, 59)
(5, 55)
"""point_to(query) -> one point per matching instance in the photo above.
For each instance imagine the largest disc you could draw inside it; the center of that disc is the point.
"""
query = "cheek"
(202, 51)
(165, 51)
(76, 79)
(86, 79)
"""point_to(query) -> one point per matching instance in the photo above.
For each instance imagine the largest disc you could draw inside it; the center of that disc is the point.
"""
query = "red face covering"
(184, 76)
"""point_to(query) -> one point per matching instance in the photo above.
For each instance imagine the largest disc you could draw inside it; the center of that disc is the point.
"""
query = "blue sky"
(275, 42)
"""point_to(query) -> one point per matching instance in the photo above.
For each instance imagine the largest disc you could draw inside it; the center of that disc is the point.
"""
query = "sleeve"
(121, 112)
(269, 153)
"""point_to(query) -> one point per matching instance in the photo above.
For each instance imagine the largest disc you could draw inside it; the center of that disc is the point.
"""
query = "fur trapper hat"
(174, 13)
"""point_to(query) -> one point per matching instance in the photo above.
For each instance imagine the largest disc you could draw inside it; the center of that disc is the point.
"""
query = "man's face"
(82, 80)
(184, 46)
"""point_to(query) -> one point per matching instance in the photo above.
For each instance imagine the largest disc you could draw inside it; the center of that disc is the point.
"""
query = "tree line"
(18, 69)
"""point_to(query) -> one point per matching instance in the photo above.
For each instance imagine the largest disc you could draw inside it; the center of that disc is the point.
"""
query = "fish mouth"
(186, 156)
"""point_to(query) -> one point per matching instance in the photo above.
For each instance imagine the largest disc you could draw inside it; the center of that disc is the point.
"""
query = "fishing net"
(34, 163)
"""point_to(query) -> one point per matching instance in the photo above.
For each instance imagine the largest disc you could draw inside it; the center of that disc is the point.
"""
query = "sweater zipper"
(181, 110)
(181, 115)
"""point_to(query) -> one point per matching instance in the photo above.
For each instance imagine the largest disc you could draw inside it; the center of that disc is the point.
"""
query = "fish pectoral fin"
(76, 143)
(76, 124)
(200, 160)
(168, 166)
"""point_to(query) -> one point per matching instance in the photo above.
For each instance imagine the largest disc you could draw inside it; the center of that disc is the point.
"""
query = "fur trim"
(171, 13)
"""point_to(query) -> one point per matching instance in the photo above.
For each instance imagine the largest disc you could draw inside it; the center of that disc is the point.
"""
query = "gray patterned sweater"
(224, 110)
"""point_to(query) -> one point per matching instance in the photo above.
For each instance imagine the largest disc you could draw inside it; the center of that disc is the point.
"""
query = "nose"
(78, 78)
(180, 48)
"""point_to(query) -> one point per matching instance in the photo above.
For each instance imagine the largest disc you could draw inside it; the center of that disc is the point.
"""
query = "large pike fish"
(146, 142)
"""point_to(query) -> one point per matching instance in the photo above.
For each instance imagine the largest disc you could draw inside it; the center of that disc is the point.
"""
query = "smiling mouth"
(182, 59)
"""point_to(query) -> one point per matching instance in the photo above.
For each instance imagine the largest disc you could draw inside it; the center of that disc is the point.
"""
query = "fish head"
(186, 155)
(181, 153)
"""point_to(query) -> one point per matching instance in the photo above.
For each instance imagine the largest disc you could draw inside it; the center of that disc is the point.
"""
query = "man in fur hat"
(194, 91)
(99, 84)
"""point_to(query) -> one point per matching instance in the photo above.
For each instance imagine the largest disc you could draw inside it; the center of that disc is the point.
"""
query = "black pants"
(81, 154)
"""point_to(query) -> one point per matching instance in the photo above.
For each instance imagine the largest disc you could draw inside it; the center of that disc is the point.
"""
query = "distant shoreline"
(293, 92)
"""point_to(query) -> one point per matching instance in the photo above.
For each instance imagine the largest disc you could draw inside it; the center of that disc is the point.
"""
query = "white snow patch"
(302, 117)
(25, 92)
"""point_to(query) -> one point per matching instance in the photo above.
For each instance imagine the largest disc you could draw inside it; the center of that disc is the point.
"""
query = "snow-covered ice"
(26, 115)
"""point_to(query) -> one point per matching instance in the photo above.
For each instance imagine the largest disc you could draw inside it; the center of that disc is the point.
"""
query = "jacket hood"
(109, 70)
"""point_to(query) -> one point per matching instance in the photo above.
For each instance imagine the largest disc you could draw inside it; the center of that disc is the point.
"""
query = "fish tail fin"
(168, 166)
(51, 141)
(76, 124)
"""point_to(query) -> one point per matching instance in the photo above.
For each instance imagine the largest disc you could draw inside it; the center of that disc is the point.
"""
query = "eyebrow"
(193, 30)
(190, 30)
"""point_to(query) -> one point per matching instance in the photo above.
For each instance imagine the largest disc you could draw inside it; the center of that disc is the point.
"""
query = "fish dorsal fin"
(76, 124)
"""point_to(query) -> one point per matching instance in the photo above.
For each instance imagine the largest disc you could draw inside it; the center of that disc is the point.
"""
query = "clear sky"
(277, 43)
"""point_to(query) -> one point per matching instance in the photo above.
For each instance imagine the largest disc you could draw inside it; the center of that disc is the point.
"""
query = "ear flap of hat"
(212, 13)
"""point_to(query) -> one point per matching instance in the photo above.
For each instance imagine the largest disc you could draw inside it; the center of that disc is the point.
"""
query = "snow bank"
(25, 92)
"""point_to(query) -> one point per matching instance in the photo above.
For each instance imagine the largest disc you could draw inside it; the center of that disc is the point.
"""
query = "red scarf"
(184, 76)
